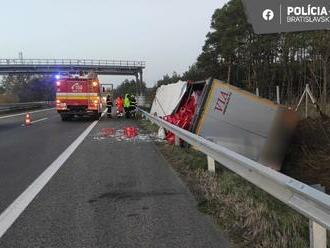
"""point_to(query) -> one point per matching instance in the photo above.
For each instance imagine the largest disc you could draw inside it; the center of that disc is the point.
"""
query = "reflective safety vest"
(127, 102)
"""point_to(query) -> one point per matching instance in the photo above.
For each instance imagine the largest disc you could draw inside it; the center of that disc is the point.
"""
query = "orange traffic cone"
(27, 120)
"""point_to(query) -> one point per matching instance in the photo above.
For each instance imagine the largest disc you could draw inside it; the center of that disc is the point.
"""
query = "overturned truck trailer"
(243, 122)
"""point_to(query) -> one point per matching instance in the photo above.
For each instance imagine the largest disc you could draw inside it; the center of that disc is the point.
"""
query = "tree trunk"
(325, 78)
(249, 77)
(229, 73)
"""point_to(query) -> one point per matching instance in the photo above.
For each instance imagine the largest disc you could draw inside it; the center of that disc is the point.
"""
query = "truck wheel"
(96, 117)
(65, 117)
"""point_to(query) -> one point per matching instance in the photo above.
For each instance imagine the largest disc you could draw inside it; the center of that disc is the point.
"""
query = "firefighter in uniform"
(109, 105)
(132, 105)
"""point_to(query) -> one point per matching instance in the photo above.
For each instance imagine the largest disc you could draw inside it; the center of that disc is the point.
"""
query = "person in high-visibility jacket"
(127, 104)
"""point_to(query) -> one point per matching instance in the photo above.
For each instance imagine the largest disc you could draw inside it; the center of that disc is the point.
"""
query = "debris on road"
(108, 131)
(130, 134)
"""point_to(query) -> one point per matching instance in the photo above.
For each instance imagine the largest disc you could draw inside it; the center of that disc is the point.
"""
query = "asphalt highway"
(63, 184)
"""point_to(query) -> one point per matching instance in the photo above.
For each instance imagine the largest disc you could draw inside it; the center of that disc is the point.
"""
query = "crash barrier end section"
(310, 202)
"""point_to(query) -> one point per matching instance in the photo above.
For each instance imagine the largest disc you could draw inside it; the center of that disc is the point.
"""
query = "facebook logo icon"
(268, 15)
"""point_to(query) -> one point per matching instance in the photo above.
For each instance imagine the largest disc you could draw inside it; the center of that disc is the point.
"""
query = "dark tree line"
(130, 87)
(168, 79)
(28, 88)
(234, 53)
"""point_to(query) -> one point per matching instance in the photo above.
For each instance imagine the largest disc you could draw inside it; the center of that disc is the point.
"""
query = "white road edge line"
(9, 216)
(36, 111)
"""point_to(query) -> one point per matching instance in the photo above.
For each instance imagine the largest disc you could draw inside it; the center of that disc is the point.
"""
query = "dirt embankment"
(308, 158)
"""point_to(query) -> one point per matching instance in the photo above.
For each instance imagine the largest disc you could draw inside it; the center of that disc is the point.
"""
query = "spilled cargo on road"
(236, 119)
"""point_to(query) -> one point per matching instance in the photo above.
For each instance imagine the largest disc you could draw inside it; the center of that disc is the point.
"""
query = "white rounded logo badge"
(268, 15)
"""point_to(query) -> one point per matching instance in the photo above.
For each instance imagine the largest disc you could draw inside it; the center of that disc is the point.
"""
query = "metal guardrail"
(312, 203)
(64, 62)
(4, 107)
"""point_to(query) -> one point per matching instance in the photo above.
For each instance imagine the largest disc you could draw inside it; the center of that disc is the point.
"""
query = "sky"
(167, 34)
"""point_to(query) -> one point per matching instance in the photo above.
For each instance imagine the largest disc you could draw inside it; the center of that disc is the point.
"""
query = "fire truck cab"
(78, 96)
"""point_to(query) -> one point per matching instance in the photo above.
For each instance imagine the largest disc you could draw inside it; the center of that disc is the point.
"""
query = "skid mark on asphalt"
(133, 215)
(133, 195)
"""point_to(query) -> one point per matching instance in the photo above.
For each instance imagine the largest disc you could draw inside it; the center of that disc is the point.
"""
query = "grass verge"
(248, 215)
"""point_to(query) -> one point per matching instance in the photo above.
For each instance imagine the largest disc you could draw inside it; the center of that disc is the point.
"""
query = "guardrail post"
(306, 103)
(176, 140)
(278, 100)
(317, 235)
(210, 164)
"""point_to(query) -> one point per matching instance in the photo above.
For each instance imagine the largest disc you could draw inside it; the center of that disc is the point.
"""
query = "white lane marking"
(36, 111)
(8, 217)
(42, 119)
(103, 113)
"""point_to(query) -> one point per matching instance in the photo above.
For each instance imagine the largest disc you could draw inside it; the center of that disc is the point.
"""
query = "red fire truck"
(78, 96)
